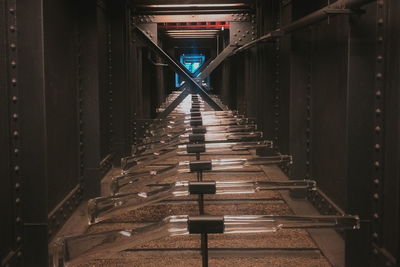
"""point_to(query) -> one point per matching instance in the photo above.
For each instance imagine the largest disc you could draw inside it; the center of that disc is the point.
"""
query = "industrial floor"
(284, 248)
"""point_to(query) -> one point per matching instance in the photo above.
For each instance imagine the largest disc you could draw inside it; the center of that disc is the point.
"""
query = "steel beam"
(197, 88)
(239, 17)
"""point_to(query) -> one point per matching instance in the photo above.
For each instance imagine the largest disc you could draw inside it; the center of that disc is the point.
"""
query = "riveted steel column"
(10, 166)
(390, 187)
(119, 19)
(31, 78)
(383, 218)
(359, 125)
(91, 96)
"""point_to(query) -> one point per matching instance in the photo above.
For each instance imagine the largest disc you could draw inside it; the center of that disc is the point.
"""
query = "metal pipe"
(307, 20)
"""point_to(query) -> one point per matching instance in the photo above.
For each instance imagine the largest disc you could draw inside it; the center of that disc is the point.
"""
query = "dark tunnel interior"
(94, 91)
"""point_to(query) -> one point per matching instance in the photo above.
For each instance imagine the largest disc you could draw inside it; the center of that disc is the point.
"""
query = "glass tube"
(103, 208)
(78, 249)
(228, 146)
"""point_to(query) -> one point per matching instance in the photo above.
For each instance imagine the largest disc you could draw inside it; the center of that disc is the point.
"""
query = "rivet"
(379, 75)
(376, 181)
(13, 46)
(16, 151)
(19, 254)
(17, 185)
(11, 10)
(380, 39)
(376, 196)
(18, 219)
(379, 58)
(19, 239)
(17, 201)
(14, 81)
(377, 147)
(15, 116)
(377, 164)
(15, 133)
(13, 64)
(375, 251)
(376, 216)
(378, 93)
(16, 168)
(378, 111)
(377, 129)
(12, 28)
(380, 21)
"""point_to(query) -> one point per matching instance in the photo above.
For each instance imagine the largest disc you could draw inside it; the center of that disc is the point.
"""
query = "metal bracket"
(150, 29)
(207, 187)
(200, 165)
(206, 224)
(195, 148)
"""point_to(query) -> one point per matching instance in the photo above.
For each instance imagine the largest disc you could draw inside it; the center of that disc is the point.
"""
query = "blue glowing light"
(192, 63)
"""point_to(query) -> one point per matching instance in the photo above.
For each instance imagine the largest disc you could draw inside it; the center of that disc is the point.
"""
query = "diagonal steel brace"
(178, 68)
